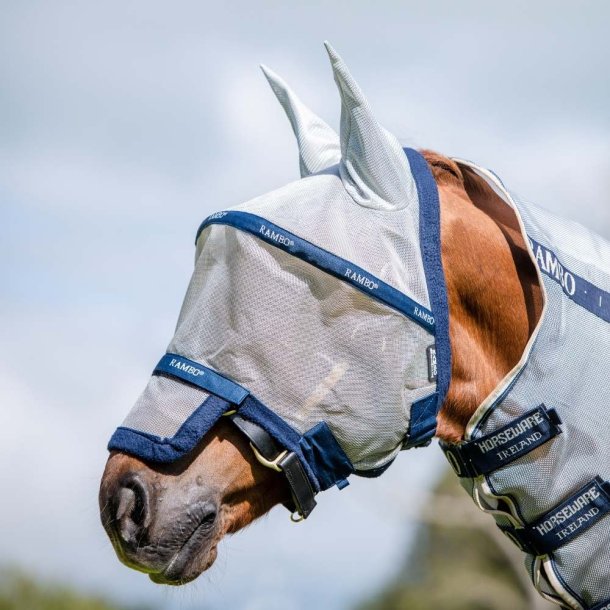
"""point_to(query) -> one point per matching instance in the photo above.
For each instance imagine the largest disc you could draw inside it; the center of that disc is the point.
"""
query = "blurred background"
(124, 124)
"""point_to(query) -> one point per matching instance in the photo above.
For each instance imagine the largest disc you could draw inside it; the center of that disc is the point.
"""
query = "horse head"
(314, 339)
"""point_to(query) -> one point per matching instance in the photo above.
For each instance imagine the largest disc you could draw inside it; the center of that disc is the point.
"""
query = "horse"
(166, 517)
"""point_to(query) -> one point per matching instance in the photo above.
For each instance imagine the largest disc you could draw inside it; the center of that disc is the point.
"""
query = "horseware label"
(505, 445)
(603, 606)
(566, 521)
(514, 440)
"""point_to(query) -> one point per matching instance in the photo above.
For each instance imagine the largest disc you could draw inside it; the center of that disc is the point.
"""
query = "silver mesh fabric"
(309, 346)
(334, 328)
(568, 368)
(383, 242)
(164, 406)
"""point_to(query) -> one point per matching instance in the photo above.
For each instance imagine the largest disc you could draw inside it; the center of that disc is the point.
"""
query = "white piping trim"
(501, 191)
(543, 566)
(481, 497)
(548, 568)
(538, 583)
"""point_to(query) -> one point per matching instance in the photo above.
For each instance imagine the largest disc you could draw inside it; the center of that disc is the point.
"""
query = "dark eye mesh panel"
(310, 346)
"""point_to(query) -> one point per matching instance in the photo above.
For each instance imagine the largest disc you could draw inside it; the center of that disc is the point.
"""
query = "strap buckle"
(458, 461)
(269, 454)
(297, 517)
(273, 464)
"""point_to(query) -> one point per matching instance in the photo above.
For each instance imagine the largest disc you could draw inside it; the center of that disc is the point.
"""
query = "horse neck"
(494, 297)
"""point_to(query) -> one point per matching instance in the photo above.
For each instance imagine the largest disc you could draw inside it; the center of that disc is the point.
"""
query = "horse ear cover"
(374, 168)
(319, 146)
(312, 309)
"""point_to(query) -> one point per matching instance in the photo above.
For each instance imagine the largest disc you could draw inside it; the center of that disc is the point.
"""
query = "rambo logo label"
(424, 315)
(187, 368)
(201, 376)
(363, 280)
(275, 236)
(575, 287)
(217, 215)
(550, 265)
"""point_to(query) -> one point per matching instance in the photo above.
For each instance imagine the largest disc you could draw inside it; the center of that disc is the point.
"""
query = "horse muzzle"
(166, 530)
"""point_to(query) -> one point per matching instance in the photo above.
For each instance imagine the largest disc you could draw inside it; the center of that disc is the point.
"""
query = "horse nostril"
(133, 511)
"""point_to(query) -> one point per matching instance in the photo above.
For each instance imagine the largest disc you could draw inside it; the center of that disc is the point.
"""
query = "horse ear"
(374, 167)
(319, 146)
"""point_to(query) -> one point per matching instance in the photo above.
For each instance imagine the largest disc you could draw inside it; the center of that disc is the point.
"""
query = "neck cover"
(317, 312)
(537, 451)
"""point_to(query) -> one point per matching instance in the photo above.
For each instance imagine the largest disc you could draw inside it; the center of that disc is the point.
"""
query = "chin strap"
(270, 455)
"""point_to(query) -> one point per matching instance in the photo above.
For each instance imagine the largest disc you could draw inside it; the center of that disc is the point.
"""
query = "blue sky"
(123, 124)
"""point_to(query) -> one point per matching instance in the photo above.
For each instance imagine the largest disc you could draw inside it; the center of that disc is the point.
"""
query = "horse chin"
(185, 567)
(196, 553)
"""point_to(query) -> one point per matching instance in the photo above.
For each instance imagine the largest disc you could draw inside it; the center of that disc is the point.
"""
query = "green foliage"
(20, 592)
(453, 568)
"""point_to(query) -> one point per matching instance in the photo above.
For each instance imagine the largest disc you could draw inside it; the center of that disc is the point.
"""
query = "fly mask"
(317, 321)
(316, 316)
(537, 452)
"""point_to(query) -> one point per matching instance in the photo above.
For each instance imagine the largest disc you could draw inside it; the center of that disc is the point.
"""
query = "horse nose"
(133, 515)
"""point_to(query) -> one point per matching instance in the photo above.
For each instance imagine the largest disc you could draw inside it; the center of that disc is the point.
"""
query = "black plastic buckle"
(458, 460)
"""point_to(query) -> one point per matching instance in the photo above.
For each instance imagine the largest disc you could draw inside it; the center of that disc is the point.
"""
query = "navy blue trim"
(564, 522)
(165, 450)
(576, 288)
(503, 446)
(430, 245)
(201, 376)
(602, 606)
(326, 457)
(422, 426)
(326, 261)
